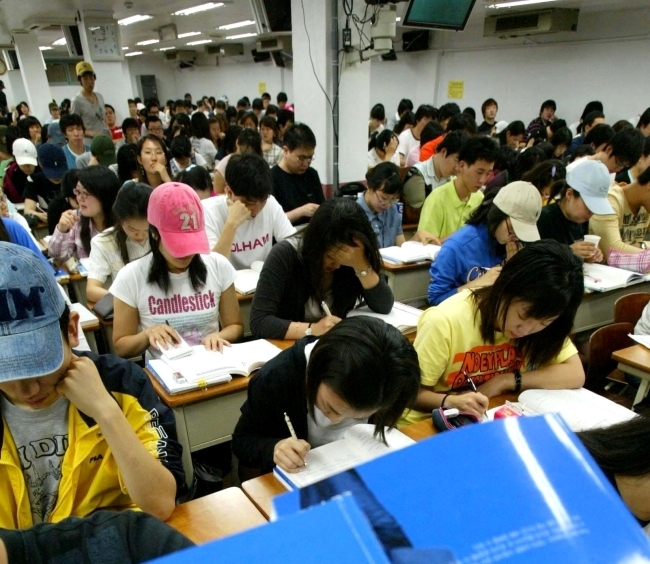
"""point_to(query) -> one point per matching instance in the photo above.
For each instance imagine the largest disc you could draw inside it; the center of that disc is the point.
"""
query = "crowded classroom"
(154, 241)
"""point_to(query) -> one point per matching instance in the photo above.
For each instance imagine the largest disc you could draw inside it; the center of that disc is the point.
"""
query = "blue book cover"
(336, 531)
(518, 490)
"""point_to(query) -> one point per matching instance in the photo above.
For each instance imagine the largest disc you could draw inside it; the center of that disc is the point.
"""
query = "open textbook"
(603, 278)
(202, 368)
(357, 446)
(402, 316)
(411, 251)
(246, 279)
(581, 408)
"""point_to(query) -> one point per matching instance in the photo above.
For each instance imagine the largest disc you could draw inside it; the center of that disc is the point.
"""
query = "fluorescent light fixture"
(125, 48)
(518, 3)
(241, 36)
(46, 48)
(133, 53)
(398, 19)
(148, 42)
(165, 49)
(94, 28)
(236, 25)
(59, 42)
(197, 9)
(134, 19)
(200, 42)
(189, 34)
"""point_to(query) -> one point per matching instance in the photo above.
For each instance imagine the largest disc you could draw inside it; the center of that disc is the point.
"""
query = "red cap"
(176, 210)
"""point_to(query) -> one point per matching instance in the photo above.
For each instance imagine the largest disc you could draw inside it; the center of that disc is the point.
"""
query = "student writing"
(363, 367)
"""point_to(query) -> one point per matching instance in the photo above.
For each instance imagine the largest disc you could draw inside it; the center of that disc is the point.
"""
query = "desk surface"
(216, 515)
(263, 489)
(636, 356)
(392, 267)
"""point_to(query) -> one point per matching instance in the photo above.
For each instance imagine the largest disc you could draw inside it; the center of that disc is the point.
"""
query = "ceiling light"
(46, 48)
(189, 34)
(148, 42)
(197, 9)
(125, 48)
(241, 36)
(518, 3)
(200, 42)
(133, 53)
(398, 19)
(59, 42)
(164, 48)
(134, 19)
(236, 25)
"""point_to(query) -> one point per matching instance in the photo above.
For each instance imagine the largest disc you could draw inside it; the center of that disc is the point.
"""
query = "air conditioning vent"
(274, 44)
(531, 23)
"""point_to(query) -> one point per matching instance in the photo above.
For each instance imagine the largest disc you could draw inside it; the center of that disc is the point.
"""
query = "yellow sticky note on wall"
(261, 87)
(455, 89)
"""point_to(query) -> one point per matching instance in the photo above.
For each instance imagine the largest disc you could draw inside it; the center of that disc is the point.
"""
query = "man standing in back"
(88, 103)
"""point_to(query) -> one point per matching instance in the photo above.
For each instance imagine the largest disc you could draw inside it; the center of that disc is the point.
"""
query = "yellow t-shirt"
(449, 342)
(444, 213)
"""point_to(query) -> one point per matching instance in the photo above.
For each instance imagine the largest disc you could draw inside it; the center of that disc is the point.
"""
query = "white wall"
(604, 61)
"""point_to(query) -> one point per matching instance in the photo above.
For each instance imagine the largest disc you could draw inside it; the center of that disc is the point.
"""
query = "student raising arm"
(119, 245)
(336, 262)
(513, 335)
(363, 367)
(180, 288)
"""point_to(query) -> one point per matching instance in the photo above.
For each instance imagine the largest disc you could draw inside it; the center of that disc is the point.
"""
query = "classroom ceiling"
(21, 14)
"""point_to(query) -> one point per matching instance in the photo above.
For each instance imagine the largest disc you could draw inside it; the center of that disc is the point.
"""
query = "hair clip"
(553, 171)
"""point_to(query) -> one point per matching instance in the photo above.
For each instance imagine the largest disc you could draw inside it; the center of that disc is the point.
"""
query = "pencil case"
(443, 423)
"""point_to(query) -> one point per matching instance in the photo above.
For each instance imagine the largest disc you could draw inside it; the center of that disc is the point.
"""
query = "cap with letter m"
(31, 304)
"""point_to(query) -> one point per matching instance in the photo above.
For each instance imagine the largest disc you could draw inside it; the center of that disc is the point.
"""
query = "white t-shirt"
(192, 314)
(254, 238)
(374, 159)
(105, 257)
(406, 142)
(206, 149)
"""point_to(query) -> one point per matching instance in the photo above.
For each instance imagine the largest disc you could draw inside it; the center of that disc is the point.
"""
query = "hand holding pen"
(291, 454)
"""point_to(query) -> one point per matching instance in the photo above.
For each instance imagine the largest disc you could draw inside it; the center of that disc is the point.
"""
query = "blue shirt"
(18, 236)
(387, 225)
(466, 255)
(71, 158)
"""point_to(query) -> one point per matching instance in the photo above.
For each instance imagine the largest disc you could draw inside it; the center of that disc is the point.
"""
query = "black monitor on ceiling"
(272, 16)
(438, 14)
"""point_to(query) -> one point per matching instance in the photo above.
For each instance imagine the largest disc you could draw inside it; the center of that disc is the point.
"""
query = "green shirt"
(3, 167)
(443, 212)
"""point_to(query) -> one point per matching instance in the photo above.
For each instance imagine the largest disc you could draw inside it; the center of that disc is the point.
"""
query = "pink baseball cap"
(176, 211)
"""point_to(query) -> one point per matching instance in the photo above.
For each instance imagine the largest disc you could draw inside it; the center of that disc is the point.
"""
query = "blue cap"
(55, 134)
(52, 160)
(31, 342)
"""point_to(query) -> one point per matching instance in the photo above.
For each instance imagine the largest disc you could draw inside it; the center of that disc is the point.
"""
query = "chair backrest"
(351, 190)
(629, 308)
(602, 343)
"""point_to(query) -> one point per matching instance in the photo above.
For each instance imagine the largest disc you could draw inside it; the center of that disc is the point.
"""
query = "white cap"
(500, 126)
(24, 152)
(522, 203)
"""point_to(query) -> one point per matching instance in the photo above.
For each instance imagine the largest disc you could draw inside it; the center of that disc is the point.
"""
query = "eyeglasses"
(81, 194)
(386, 201)
(305, 159)
(621, 164)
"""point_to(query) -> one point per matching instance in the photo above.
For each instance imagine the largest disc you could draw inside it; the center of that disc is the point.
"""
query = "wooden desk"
(635, 360)
(597, 308)
(216, 515)
(245, 302)
(409, 282)
(263, 489)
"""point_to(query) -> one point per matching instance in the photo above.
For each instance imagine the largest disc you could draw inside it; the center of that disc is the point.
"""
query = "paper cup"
(595, 239)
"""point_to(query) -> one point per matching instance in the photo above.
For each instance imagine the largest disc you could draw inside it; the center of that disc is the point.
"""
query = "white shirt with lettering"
(254, 237)
(193, 314)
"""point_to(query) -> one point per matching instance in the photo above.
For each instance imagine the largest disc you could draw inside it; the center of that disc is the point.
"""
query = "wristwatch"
(308, 332)
(363, 273)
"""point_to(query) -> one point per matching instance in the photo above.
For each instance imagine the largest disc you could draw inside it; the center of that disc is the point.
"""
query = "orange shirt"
(429, 149)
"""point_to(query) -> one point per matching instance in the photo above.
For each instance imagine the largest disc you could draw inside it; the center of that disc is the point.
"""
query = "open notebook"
(247, 278)
(402, 316)
(602, 278)
(411, 251)
(581, 408)
(203, 368)
(357, 445)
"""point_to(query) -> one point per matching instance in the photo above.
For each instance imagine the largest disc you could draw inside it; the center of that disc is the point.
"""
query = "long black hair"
(159, 271)
(131, 201)
(165, 150)
(491, 216)
(127, 162)
(102, 183)
(370, 365)
(527, 277)
(337, 222)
